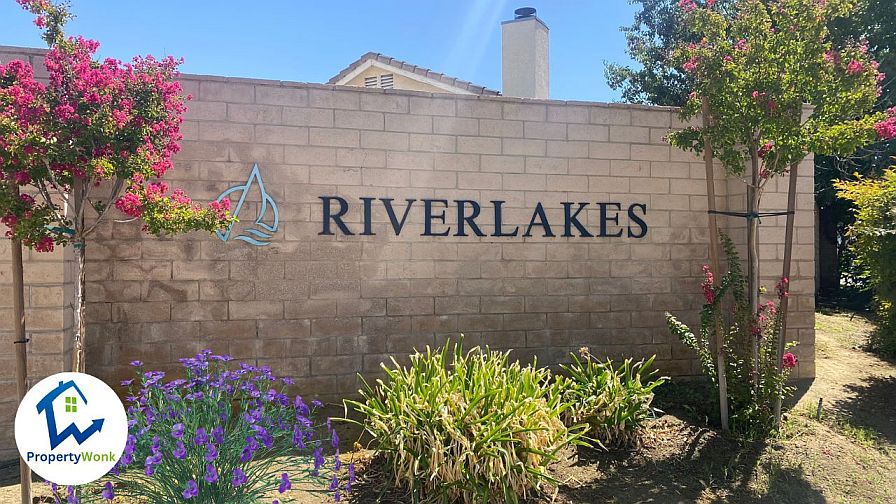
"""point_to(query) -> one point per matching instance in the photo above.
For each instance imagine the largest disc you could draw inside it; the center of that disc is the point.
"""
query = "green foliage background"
(657, 29)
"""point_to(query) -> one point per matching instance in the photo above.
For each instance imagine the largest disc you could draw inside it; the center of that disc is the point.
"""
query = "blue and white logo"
(45, 407)
(71, 428)
(266, 220)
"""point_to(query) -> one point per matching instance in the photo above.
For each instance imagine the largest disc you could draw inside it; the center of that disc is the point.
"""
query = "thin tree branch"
(113, 195)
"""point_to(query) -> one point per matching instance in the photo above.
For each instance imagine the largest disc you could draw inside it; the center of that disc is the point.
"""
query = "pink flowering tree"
(97, 135)
(754, 72)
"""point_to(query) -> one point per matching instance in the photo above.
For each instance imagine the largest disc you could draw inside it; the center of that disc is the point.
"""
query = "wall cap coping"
(398, 92)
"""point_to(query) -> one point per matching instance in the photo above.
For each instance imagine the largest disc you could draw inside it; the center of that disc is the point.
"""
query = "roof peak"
(404, 66)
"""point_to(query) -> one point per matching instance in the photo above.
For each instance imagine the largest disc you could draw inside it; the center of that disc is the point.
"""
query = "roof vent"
(524, 12)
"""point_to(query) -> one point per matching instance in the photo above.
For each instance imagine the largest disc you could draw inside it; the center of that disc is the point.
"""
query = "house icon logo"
(45, 407)
(71, 428)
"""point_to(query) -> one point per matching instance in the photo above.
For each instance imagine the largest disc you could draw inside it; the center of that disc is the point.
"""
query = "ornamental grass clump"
(224, 433)
(467, 427)
(613, 401)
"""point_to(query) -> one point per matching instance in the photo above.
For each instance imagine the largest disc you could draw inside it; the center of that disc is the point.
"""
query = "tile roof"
(424, 72)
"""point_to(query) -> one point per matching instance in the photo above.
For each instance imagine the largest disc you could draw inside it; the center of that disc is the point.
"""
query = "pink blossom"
(690, 65)
(789, 360)
(45, 244)
(832, 57)
(855, 67)
(741, 45)
(782, 288)
(766, 148)
(886, 129)
(687, 5)
(10, 220)
(130, 204)
(221, 208)
(708, 280)
(728, 59)
(23, 177)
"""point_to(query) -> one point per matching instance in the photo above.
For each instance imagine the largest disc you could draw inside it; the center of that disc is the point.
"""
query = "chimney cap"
(524, 12)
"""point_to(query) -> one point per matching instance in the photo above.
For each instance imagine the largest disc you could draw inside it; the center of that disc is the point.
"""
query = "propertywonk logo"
(71, 428)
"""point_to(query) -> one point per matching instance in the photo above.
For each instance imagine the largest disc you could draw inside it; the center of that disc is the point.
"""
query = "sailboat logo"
(267, 219)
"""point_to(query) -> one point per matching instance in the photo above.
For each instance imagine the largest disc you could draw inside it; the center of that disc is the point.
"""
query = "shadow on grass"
(689, 460)
(707, 467)
(871, 405)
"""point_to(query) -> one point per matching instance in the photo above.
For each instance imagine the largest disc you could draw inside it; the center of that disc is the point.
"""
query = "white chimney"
(525, 66)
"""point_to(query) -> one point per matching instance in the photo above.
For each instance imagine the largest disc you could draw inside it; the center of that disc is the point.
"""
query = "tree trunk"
(715, 260)
(18, 301)
(20, 342)
(78, 244)
(753, 195)
(788, 252)
(78, 343)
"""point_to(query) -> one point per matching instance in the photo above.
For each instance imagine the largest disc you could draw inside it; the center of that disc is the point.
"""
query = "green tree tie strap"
(749, 215)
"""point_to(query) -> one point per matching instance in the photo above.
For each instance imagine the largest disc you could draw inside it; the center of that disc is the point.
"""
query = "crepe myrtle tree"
(97, 135)
(753, 72)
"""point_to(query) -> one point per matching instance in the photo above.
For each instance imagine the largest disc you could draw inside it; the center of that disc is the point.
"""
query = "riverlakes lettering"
(468, 217)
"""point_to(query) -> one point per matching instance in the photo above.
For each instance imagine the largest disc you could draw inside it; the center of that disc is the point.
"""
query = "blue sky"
(313, 40)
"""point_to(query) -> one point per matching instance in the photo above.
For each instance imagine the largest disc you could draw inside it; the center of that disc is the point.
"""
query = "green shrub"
(872, 237)
(613, 402)
(468, 427)
(753, 383)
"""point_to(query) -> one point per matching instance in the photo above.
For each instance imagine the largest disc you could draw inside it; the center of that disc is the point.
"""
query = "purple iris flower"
(218, 434)
(211, 474)
(71, 498)
(298, 438)
(211, 452)
(285, 484)
(180, 451)
(239, 477)
(263, 435)
(191, 491)
(177, 431)
(108, 493)
(249, 449)
(201, 436)
(318, 461)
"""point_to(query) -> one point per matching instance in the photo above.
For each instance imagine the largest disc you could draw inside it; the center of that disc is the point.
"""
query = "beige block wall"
(324, 308)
